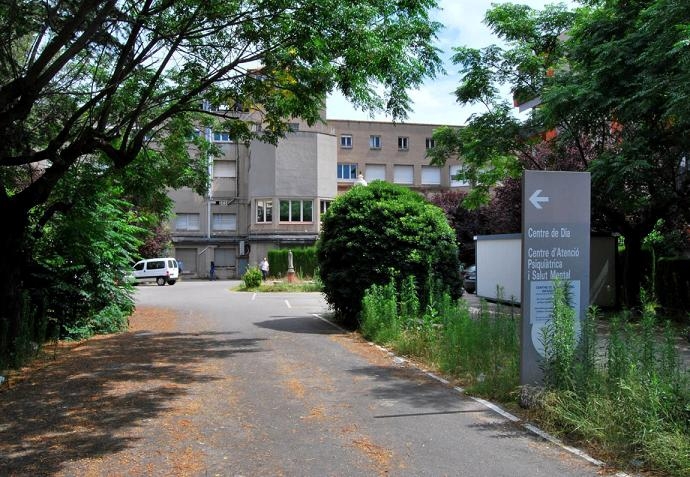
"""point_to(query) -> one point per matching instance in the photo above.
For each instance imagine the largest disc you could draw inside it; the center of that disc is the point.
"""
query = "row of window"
(375, 142)
(402, 174)
(290, 210)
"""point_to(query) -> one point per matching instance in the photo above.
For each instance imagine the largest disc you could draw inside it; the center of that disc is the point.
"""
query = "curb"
(489, 405)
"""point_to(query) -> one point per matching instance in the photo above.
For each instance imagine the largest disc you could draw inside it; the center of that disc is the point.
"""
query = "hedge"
(303, 260)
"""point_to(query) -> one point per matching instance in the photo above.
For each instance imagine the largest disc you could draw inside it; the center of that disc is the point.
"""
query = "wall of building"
(399, 152)
(302, 167)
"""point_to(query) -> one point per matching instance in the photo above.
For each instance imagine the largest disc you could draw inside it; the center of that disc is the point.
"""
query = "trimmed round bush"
(379, 232)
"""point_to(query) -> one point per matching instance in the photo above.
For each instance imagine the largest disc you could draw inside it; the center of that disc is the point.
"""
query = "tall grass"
(481, 349)
(628, 396)
(633, 401)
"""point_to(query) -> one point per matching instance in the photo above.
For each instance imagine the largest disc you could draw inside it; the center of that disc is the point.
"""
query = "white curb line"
(489, 405)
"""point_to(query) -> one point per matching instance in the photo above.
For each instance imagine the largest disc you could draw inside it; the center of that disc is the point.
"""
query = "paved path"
(241, 384)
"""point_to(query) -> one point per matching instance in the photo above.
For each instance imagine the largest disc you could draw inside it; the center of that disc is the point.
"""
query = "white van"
(162, 270)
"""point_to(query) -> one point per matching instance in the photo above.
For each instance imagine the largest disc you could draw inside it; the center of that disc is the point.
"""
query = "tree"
(76, 285)
(381, 232)
(502, 215)
(608, 79)
(115, 80)
(466, 223)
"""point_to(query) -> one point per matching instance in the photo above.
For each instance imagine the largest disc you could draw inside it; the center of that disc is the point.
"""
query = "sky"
(434, 102)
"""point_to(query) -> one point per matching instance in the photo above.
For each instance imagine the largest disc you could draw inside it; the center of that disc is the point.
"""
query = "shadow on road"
(304, 325)
(88, 404)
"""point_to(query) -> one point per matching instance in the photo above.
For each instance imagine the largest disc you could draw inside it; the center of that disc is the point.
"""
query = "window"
(375, 172)
(224, 169)
(429, 143)
(224, 222)
(375, 142)
(264, 211)
(155, 265)
(189, 222)
(403, 143)
(403, 174)
(347, 171)
(293, 127)
(431, 175)
(324, 205)
(221, 136)
(454, 171)
(296, 210)
(346, 141)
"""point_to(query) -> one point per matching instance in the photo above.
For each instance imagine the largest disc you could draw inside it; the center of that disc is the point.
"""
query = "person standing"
(264, 268)
(212, 272)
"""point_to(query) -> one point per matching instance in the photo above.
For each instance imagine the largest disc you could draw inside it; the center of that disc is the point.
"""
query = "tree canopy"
(608, 79)
(122, 84)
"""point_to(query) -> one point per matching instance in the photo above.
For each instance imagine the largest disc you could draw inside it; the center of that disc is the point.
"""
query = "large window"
(431, 175)
(403, 143)
(430, 143)
(224, 222)
(224, 169)
(221, 136)
(187, 222)
(346, 141)
(296, 210)
(347, 171)
(264, 211)
(375, 142)
(403, 174)
(454, 170)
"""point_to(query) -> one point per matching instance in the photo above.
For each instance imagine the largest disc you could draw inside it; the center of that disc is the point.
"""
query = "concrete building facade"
(265, 196)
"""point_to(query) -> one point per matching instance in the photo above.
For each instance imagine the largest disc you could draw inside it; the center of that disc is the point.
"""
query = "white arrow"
(537, 200)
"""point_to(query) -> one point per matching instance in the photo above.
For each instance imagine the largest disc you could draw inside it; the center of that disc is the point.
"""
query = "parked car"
(161, 270)
(469, 276)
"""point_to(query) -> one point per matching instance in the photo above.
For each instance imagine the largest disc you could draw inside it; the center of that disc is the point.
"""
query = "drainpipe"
(207, 107)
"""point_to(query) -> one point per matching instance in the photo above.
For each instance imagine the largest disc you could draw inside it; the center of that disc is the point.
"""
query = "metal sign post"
(555, 246)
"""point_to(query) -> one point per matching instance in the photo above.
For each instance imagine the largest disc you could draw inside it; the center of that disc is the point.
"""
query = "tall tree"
(97, 80)
(609, 79)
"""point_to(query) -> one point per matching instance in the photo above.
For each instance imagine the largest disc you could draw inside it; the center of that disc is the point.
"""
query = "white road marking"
(288, 304)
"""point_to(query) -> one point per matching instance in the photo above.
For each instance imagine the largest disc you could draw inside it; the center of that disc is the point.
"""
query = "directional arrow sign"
(536, 199)
(555, 246)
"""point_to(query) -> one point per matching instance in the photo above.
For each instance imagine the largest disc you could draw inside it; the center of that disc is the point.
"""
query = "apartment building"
(390, 152)
(263, 196)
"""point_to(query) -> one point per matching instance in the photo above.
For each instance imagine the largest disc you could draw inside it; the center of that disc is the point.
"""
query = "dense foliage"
(77, 284)
(608, 80)
(381, 232)
(124, 84)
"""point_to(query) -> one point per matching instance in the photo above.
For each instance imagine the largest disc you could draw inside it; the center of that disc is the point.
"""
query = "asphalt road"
(287, 393)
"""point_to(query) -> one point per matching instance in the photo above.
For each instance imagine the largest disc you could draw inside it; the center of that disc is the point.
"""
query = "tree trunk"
(13, 245)
(632, 269)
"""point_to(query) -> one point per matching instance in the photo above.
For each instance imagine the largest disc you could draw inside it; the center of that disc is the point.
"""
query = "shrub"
(382, 232)
(252, 277)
